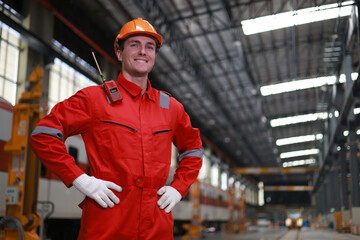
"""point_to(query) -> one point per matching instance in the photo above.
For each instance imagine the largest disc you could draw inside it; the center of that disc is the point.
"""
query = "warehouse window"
(215, 175)
(224, 181)
(203, 174)
(261, 194)
(64, 82)
(9, 61)
(237, 190)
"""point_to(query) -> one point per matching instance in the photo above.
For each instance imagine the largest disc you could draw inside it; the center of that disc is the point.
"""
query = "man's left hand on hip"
(169, 198)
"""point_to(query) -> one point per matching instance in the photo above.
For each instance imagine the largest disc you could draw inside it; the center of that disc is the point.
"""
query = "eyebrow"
(137, 41)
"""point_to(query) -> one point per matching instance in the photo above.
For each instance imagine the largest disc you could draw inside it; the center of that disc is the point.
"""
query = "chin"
(141, 74)
(142, 71)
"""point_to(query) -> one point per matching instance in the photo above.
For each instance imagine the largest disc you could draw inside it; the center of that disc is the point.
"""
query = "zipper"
(132, 129)
(162, 131)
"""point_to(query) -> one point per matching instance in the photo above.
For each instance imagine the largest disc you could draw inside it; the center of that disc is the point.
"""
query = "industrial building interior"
(271, 84)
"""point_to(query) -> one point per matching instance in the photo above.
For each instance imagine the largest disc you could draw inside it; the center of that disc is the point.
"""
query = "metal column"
(329, 191)
(344, 184)
(354, 162)
(317, 205)
(324, 200)
(335, 186)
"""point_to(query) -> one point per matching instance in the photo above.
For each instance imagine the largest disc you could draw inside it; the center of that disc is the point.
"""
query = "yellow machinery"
(21, 220)
(195, 228)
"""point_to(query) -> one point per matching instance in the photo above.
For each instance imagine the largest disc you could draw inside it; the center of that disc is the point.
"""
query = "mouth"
(141, 60)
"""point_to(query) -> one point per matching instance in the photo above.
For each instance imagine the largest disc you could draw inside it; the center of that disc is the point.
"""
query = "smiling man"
(138, 58)
(128, 145)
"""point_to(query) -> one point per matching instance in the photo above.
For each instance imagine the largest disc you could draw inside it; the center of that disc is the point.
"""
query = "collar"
(134, 89)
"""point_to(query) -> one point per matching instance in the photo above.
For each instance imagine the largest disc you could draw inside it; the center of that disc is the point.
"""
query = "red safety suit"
(128, 143)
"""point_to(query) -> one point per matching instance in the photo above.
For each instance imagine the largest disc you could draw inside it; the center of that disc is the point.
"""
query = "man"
(128, 146)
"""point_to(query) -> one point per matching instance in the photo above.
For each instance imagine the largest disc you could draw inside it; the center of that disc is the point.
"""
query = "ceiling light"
(237, 43)
(294, 18)
(211, 122)
(299, 153)
(319, 136)
(298, 119)
(188, 95)
(356, 111)
(296, 85)
(354, 76)
(298, 139)
(346, 132)
(298, 163)
(303, 84)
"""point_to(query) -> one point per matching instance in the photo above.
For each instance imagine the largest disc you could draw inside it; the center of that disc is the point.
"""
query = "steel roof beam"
(163, 26)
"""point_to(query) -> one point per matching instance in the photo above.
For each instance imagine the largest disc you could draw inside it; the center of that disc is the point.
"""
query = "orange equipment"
(241, 212)
(195, 227)
(24, 168)
(231, 226)
(137, 26)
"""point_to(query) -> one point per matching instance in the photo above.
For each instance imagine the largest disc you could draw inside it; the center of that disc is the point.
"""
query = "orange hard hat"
(137, 26)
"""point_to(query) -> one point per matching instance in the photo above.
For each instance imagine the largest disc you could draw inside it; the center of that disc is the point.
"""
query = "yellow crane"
(21, 219)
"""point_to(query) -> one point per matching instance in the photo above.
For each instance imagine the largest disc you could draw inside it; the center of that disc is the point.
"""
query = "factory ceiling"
(216, 67)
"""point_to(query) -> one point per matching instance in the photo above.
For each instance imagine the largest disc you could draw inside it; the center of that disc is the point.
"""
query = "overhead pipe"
(80, 33)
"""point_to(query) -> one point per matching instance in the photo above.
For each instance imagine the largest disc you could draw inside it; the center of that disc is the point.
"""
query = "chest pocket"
(119, 140)
(161, 143)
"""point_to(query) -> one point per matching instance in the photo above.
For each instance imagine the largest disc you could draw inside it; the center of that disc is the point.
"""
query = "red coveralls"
(128, 143)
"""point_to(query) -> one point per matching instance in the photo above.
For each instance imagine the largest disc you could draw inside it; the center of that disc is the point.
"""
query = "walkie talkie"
(110, 86)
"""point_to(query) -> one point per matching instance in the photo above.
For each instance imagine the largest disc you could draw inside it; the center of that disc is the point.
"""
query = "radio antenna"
(101, 75)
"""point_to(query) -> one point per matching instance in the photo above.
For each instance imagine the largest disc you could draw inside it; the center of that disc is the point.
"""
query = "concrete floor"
(282, 234)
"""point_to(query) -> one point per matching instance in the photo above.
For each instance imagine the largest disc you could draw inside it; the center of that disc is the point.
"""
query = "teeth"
(140, 60)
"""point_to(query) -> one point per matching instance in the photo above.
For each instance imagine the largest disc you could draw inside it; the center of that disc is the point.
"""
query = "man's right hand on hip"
(98, 189)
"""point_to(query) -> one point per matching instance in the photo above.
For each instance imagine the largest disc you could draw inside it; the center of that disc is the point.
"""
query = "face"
(138, 56)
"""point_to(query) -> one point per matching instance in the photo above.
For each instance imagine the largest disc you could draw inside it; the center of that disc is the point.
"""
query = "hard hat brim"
(153, 35)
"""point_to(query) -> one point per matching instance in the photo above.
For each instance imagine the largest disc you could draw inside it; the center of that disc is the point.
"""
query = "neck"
(141, 81)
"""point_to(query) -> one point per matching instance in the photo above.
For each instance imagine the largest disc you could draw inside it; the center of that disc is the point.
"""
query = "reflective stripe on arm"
(49, 131)
(191, 153)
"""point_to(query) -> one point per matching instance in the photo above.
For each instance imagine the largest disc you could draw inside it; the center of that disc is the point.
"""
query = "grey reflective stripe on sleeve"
(49, 131)
(164, 100)
(191, 153)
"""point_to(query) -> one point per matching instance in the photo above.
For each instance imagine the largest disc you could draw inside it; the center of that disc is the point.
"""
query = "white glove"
(169, 197)
(97, 189)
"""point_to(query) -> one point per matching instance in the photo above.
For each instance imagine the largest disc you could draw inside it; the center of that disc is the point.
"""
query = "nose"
(142, 50)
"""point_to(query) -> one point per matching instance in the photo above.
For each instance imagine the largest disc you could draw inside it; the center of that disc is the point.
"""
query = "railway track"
(290, 235)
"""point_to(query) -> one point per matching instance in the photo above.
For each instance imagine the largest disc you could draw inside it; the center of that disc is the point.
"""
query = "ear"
(119, 55)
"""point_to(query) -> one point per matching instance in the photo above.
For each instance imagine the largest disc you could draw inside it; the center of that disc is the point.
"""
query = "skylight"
(298, 139)
(299, 153)
(298, 119)
(295, 18)
(303, 84)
